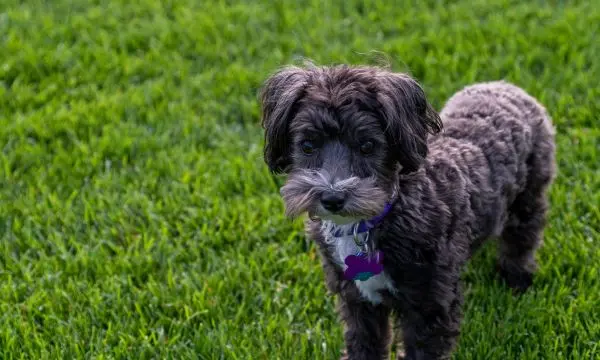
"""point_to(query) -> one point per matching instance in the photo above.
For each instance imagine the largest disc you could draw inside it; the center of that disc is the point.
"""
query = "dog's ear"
(279, 97)
(408, 117)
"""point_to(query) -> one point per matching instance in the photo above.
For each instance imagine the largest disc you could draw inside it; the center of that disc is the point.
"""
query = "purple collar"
(366, 225)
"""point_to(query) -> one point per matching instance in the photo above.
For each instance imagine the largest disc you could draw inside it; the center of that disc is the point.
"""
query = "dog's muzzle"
(318, 194)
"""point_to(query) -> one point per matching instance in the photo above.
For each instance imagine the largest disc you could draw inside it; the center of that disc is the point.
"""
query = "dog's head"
(342, 134)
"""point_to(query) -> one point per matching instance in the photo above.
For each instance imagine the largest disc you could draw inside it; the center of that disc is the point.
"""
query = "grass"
(137, 219)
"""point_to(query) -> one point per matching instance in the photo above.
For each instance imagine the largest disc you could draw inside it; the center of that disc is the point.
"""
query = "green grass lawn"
(138, 220)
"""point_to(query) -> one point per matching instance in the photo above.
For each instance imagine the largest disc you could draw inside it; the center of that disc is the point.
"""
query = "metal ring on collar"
(362, 244)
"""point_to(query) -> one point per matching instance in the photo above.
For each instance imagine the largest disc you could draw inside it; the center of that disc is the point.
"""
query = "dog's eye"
(367, 147)
(307, 147)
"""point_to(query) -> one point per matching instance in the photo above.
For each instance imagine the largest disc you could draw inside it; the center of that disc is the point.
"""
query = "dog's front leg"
(367, 331)
(432, 325)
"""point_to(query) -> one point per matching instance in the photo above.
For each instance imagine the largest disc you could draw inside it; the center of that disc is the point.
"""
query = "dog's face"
(342, 134)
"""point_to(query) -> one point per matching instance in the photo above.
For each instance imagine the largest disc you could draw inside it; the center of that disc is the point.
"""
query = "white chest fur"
(341, 247)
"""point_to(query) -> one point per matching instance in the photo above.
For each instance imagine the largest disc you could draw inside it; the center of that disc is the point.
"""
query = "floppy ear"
(279, 97)
(408, 117)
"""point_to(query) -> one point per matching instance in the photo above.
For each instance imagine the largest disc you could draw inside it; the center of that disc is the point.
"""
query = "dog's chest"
(342, 247)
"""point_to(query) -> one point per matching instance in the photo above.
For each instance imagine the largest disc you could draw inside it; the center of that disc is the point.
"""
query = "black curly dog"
(369, 161)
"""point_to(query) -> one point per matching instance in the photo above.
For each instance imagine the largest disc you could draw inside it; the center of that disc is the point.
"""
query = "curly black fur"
(485, 175)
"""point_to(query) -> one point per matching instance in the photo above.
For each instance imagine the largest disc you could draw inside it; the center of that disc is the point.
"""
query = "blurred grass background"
(138, 221)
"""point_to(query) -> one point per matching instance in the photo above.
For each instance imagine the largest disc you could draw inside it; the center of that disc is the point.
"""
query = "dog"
(399, 196)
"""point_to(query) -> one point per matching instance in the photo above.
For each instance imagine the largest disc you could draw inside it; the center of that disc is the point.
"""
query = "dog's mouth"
(344, 216)
(339, 219)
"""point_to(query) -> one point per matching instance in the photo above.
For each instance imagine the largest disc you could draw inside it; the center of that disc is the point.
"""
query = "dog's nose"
(333, 201)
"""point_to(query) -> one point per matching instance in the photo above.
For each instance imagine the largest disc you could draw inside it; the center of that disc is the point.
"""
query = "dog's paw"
(519, 281)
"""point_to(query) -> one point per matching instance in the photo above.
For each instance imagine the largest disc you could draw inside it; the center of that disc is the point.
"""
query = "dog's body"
(485, 175)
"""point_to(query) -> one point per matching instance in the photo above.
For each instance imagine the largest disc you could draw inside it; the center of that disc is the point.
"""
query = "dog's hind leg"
(523, 232)
(520, 239)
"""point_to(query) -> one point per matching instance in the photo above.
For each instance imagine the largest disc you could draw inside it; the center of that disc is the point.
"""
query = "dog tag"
(362, 267)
